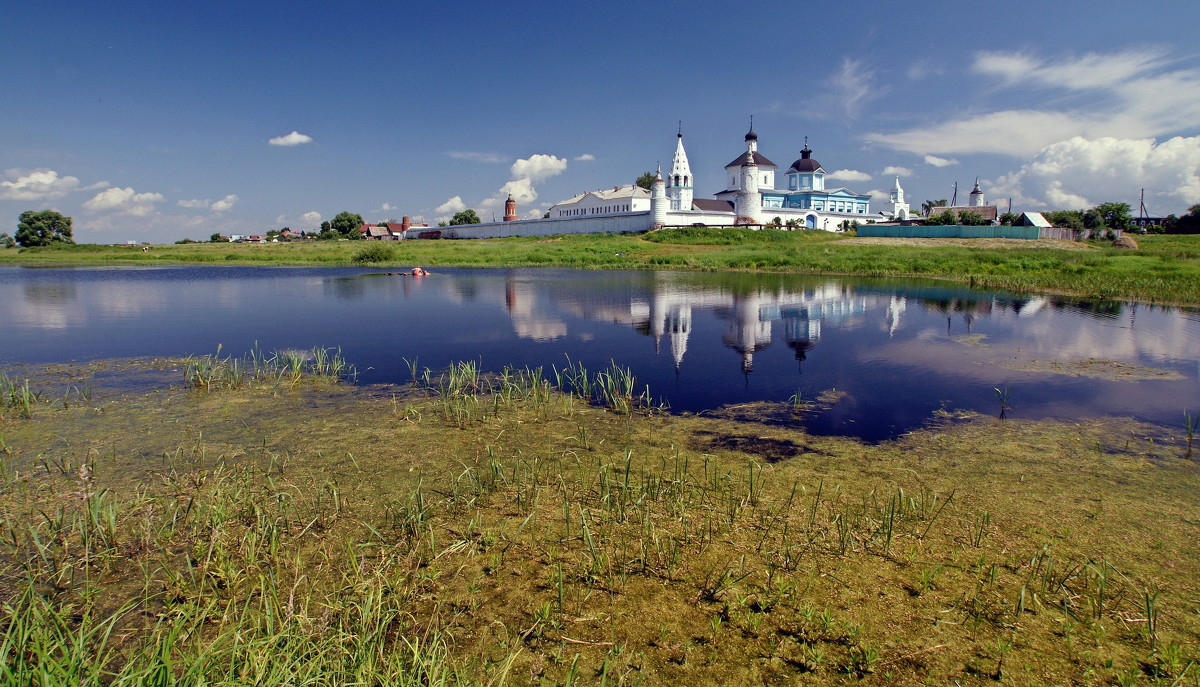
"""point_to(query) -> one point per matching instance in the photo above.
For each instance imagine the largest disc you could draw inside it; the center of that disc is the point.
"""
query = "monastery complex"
(754, 196)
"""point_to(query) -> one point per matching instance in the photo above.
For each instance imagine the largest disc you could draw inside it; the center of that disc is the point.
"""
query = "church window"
(685, 180)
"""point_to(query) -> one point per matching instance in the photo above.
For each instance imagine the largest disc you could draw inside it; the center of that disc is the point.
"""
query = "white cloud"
(224, 204)
(851, 88)
(123, 201)
(282, 219)
(538, 167)
(40, 184)
(1131, 94)
(880, 196)
(939, 161)
(848, 175)
(1080, 173)
(923, 68)
(96, 186)
(293, 139)
(521, 189)
(311, 218)
(386, 207)
(451, 206)
(218, 206)
(586, 157)
(476, 156)
(894, 170)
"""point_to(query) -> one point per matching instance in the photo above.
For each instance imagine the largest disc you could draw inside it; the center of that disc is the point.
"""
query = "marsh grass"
(287, 367)
(545, 536)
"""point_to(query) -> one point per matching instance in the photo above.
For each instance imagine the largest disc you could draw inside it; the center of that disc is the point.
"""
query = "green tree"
(1116, 215)
(326, 227)
(1009, 218)
(1189, 223)
(43, 228)
(1092, 219)
(217, 238)
(467, 216)
(928, 206)
(646, 181)
(971, 218)
(777, 222)
(7, 241)
(943, 218)
(1071, 219)
(347, 224)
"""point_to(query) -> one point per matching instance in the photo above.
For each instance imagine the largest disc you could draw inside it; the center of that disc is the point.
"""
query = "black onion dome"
(751, 136)
(806, 164)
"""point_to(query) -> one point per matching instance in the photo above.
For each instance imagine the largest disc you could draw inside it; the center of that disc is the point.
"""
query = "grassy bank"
(263, 524)
(1165, 270)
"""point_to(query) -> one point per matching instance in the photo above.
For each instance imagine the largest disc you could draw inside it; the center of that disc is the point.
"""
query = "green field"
(1166, 269)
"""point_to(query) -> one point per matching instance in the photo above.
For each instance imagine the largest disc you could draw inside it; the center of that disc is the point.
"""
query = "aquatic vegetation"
(213, 372)
(508, 532)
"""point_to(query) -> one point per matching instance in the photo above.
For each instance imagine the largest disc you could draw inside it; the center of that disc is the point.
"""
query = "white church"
(751, 199)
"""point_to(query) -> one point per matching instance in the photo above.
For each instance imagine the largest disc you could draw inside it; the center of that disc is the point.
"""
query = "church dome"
(806, 164)
(751, 136)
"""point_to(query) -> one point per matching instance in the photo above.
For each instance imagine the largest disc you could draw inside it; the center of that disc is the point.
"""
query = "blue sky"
(155, 121)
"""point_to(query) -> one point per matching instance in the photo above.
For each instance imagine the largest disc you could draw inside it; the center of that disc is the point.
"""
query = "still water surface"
(894, 351)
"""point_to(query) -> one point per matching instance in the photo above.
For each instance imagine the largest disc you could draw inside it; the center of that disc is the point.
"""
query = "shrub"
(376, 252)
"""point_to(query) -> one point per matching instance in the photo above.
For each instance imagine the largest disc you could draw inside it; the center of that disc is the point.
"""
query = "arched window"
(685, 180)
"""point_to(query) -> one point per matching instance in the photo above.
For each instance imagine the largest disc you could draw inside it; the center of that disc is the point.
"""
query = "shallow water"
(895, 351)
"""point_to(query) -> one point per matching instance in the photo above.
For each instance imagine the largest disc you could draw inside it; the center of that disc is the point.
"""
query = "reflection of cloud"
(521, 301)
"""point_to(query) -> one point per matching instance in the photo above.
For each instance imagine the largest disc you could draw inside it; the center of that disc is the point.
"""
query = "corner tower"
(679, 183)
(658, 202)
(976, 195)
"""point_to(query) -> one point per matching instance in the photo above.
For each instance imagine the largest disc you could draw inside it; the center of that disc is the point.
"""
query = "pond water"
(882, 356)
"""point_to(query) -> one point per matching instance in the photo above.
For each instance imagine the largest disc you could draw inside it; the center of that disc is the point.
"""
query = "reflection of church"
(749, 318)
(668, 314)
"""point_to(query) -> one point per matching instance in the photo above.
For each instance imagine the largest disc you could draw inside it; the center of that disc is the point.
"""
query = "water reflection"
(895, 351)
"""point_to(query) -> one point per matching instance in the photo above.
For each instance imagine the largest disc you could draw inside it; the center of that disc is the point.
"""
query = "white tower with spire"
(976, 195)
(899, 207)
(658, 202)
(747, 205)
(679, 183)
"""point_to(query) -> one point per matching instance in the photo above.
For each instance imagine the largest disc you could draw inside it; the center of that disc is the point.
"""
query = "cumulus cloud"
(386, 207)
(293, 139)
(848, 175)
(1081, 173)
(224, 204)
(40, 184)
(476, 156)
(451, 206)
(1133, 94)
(123, 201)
(192, 204)
(880, 196)
(586, 157)
(939, 161)
(895, 170)
(538, 168)
(311, 218)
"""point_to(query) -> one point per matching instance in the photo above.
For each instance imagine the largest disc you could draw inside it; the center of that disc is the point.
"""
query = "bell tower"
(679, 183)
(510, 209)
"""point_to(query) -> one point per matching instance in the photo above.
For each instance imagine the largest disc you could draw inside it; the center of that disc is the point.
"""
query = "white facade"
(631, 198)
(976, 195)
